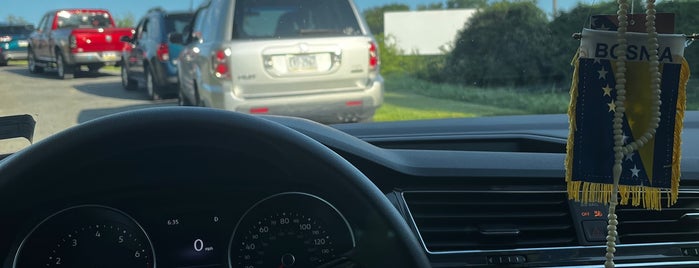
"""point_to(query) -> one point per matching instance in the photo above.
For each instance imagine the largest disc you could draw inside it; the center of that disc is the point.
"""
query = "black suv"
(150, 59)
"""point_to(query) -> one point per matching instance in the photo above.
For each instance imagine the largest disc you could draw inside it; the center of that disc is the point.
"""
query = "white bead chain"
(619, 148)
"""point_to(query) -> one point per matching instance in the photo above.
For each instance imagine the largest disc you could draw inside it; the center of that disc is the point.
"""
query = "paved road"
(59, 104)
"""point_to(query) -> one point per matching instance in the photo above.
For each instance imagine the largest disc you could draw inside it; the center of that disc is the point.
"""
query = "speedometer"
(86, 236)
(290, 230)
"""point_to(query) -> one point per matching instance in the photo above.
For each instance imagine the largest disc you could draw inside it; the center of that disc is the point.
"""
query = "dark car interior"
(445, 193)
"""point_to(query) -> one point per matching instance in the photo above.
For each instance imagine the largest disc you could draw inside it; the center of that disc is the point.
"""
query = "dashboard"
(191, 187)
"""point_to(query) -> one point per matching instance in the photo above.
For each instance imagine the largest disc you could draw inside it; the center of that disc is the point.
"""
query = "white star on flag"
(634, 171)
(602, 73)
(629, 157)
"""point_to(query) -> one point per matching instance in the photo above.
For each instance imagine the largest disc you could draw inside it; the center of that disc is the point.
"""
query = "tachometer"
(86, 236)
(290, 230)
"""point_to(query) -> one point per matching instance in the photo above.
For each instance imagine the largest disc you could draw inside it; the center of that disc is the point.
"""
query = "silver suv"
(308, 58)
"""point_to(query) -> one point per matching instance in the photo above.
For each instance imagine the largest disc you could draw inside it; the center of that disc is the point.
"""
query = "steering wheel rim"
(86, 141)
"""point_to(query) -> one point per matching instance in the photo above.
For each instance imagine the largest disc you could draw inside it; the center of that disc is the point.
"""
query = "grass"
(522, 100)
(17, 63)
(111, 68)
(409, 98)
(409, 106)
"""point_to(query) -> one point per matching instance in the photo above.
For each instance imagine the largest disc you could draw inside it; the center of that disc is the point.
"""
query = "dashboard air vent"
(679, 223)
(455, 221)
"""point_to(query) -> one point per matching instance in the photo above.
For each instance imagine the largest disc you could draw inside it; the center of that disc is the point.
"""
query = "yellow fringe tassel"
(573, 186)
(649, 197)
(679, 124)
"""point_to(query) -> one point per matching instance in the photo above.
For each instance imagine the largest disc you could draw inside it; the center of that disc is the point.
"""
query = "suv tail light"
(73, 41)
(163, 52)
(5, 38)
(219, 62)
(373, 56)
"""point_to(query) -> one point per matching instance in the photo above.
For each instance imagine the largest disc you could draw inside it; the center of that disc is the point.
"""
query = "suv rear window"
(177, 22)
(257, 19)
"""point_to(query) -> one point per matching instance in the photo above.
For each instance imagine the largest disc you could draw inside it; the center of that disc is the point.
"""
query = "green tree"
(562, 28)
(466, 4)
(686, 22)
(374, 16)
(15, 20)
(506, 43)
(574, 20)
(454, 4)
(125, 21)
(432, 6)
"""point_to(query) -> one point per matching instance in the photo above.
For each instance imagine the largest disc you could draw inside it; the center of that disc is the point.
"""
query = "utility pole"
(555, 8)
(191, 5)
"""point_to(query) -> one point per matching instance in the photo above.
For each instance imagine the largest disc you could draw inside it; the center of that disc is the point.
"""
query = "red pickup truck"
(67, 39)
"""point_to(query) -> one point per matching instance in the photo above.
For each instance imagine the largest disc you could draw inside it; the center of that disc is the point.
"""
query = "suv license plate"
(109, 56)
(302, 63)
(22, 43)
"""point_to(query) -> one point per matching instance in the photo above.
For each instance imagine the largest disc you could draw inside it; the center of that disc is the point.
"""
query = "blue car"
(13, 42)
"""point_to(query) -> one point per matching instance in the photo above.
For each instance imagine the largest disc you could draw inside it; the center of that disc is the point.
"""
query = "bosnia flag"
(652, 170)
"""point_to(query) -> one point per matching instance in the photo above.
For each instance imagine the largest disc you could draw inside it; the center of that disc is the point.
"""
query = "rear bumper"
(106, 57)
(7, 55)
(338, 107)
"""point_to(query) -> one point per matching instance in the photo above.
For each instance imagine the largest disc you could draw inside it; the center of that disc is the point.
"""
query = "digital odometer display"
(190, 237)
(290, 230)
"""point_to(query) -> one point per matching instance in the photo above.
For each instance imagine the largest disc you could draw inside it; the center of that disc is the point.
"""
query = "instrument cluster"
(288, 229)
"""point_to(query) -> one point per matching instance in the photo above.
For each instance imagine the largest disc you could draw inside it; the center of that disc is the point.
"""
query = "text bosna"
(633, 52)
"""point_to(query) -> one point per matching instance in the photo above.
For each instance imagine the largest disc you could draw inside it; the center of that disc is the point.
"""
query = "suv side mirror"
(125, 38)
(175, 38)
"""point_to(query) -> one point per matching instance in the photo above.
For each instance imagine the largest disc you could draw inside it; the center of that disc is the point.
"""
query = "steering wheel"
(75, 161)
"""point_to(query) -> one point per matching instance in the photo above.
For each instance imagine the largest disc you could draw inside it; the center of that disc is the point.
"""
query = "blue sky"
(32, 10)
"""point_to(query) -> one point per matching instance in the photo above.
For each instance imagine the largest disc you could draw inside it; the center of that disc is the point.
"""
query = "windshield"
(396, 60)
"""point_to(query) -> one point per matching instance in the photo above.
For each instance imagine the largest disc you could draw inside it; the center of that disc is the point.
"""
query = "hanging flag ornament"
(626, 111)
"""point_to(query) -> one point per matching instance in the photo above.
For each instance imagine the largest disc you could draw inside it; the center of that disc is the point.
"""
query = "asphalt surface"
(59, 104)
